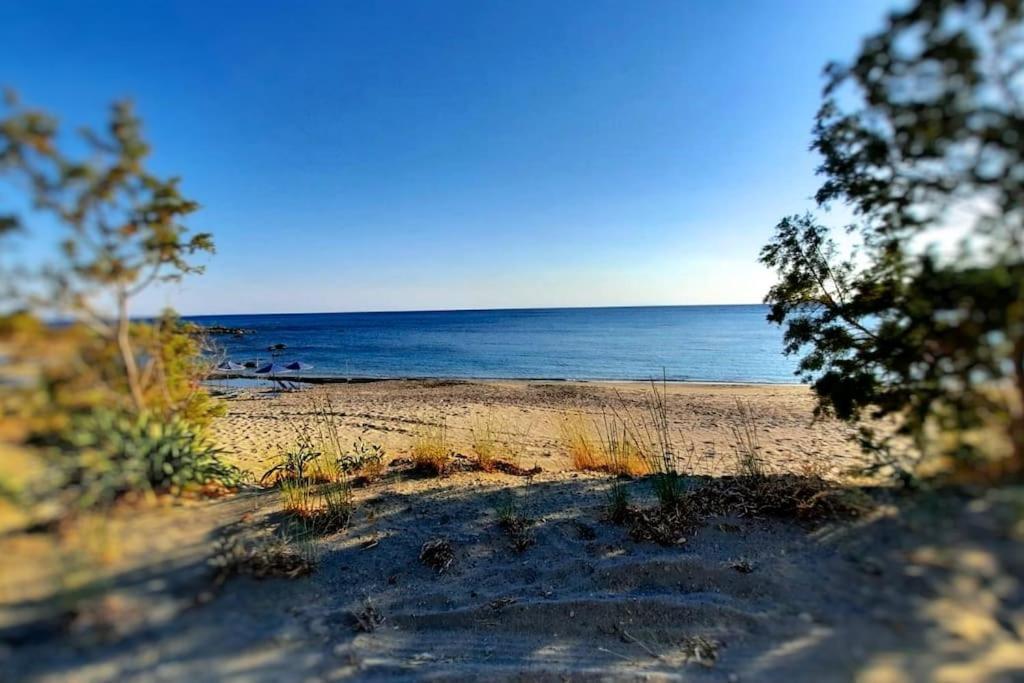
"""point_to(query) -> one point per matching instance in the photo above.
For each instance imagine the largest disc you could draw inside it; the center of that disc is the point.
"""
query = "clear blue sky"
(423, 155)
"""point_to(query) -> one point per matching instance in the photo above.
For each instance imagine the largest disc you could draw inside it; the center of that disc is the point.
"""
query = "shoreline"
(339, 379)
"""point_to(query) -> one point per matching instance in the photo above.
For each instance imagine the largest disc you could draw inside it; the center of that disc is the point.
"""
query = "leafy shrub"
(366, 459)
(293, 466)
(104, 454)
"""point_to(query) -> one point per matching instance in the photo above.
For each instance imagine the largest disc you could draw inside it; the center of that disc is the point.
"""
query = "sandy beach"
(260, 423)
(739, 599)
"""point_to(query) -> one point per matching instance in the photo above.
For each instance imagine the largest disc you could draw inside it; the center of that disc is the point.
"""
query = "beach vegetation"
(513, 520)
(317, 508)
(368, 618)
(110, 403)
(431, 449)
(364, 459)
(617, 508)
(667, 453)
(919, 324)
(485, 442)
(602, 445)
(438, 554)
(104, 454)
(123, 228)
(261, 558)
(293, 466)
(746, 443)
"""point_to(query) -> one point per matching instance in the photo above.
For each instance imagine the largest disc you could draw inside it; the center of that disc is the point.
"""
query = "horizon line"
(472, 310)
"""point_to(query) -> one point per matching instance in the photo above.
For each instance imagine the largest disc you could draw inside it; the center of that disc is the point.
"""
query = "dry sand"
(893, 597)
(260, 424)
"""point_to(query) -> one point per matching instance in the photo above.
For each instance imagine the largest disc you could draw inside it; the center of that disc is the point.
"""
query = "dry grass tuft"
(486, 442)
(602, 446)
(664, 525)
(746, 444)
(700, 650)
(368, 619)
(438, 554)
(577, 435)
(431, 450)
(788, 496)
(322, 509)
(274, 558)
(516, 524)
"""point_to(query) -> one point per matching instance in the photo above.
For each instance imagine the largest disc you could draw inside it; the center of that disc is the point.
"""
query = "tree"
(123, 223)
(922, 135)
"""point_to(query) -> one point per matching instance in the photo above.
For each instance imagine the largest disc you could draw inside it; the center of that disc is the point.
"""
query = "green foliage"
(668, 487)
(920, 135)
(123, 229)
(104, 454)
(294, 466)
(618, 502)
(364, 457)
(173, 379)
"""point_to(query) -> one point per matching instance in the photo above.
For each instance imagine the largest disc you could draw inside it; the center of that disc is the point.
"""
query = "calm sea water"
(697, 343)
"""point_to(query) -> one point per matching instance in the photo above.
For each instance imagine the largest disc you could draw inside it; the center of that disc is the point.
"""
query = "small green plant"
(668, 487)
(431, 451)
(617, 509)
(514, 521)
(294, 465)
(322, 509)
(364, 459)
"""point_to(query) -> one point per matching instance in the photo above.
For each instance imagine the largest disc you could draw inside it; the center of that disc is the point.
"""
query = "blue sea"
(695, 343)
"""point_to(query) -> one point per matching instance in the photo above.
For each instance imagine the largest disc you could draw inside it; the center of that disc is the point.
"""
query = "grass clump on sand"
(438, 554)
(363, 461)
(701, 650)
(486, 443)
(746, 444)
(269, 558)
(498, 446)
(514, 521)
(752, 492)
(431, 450)
(318, 454)
(323, 509)
(367, 618)
(603, 446)
(617, 509)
